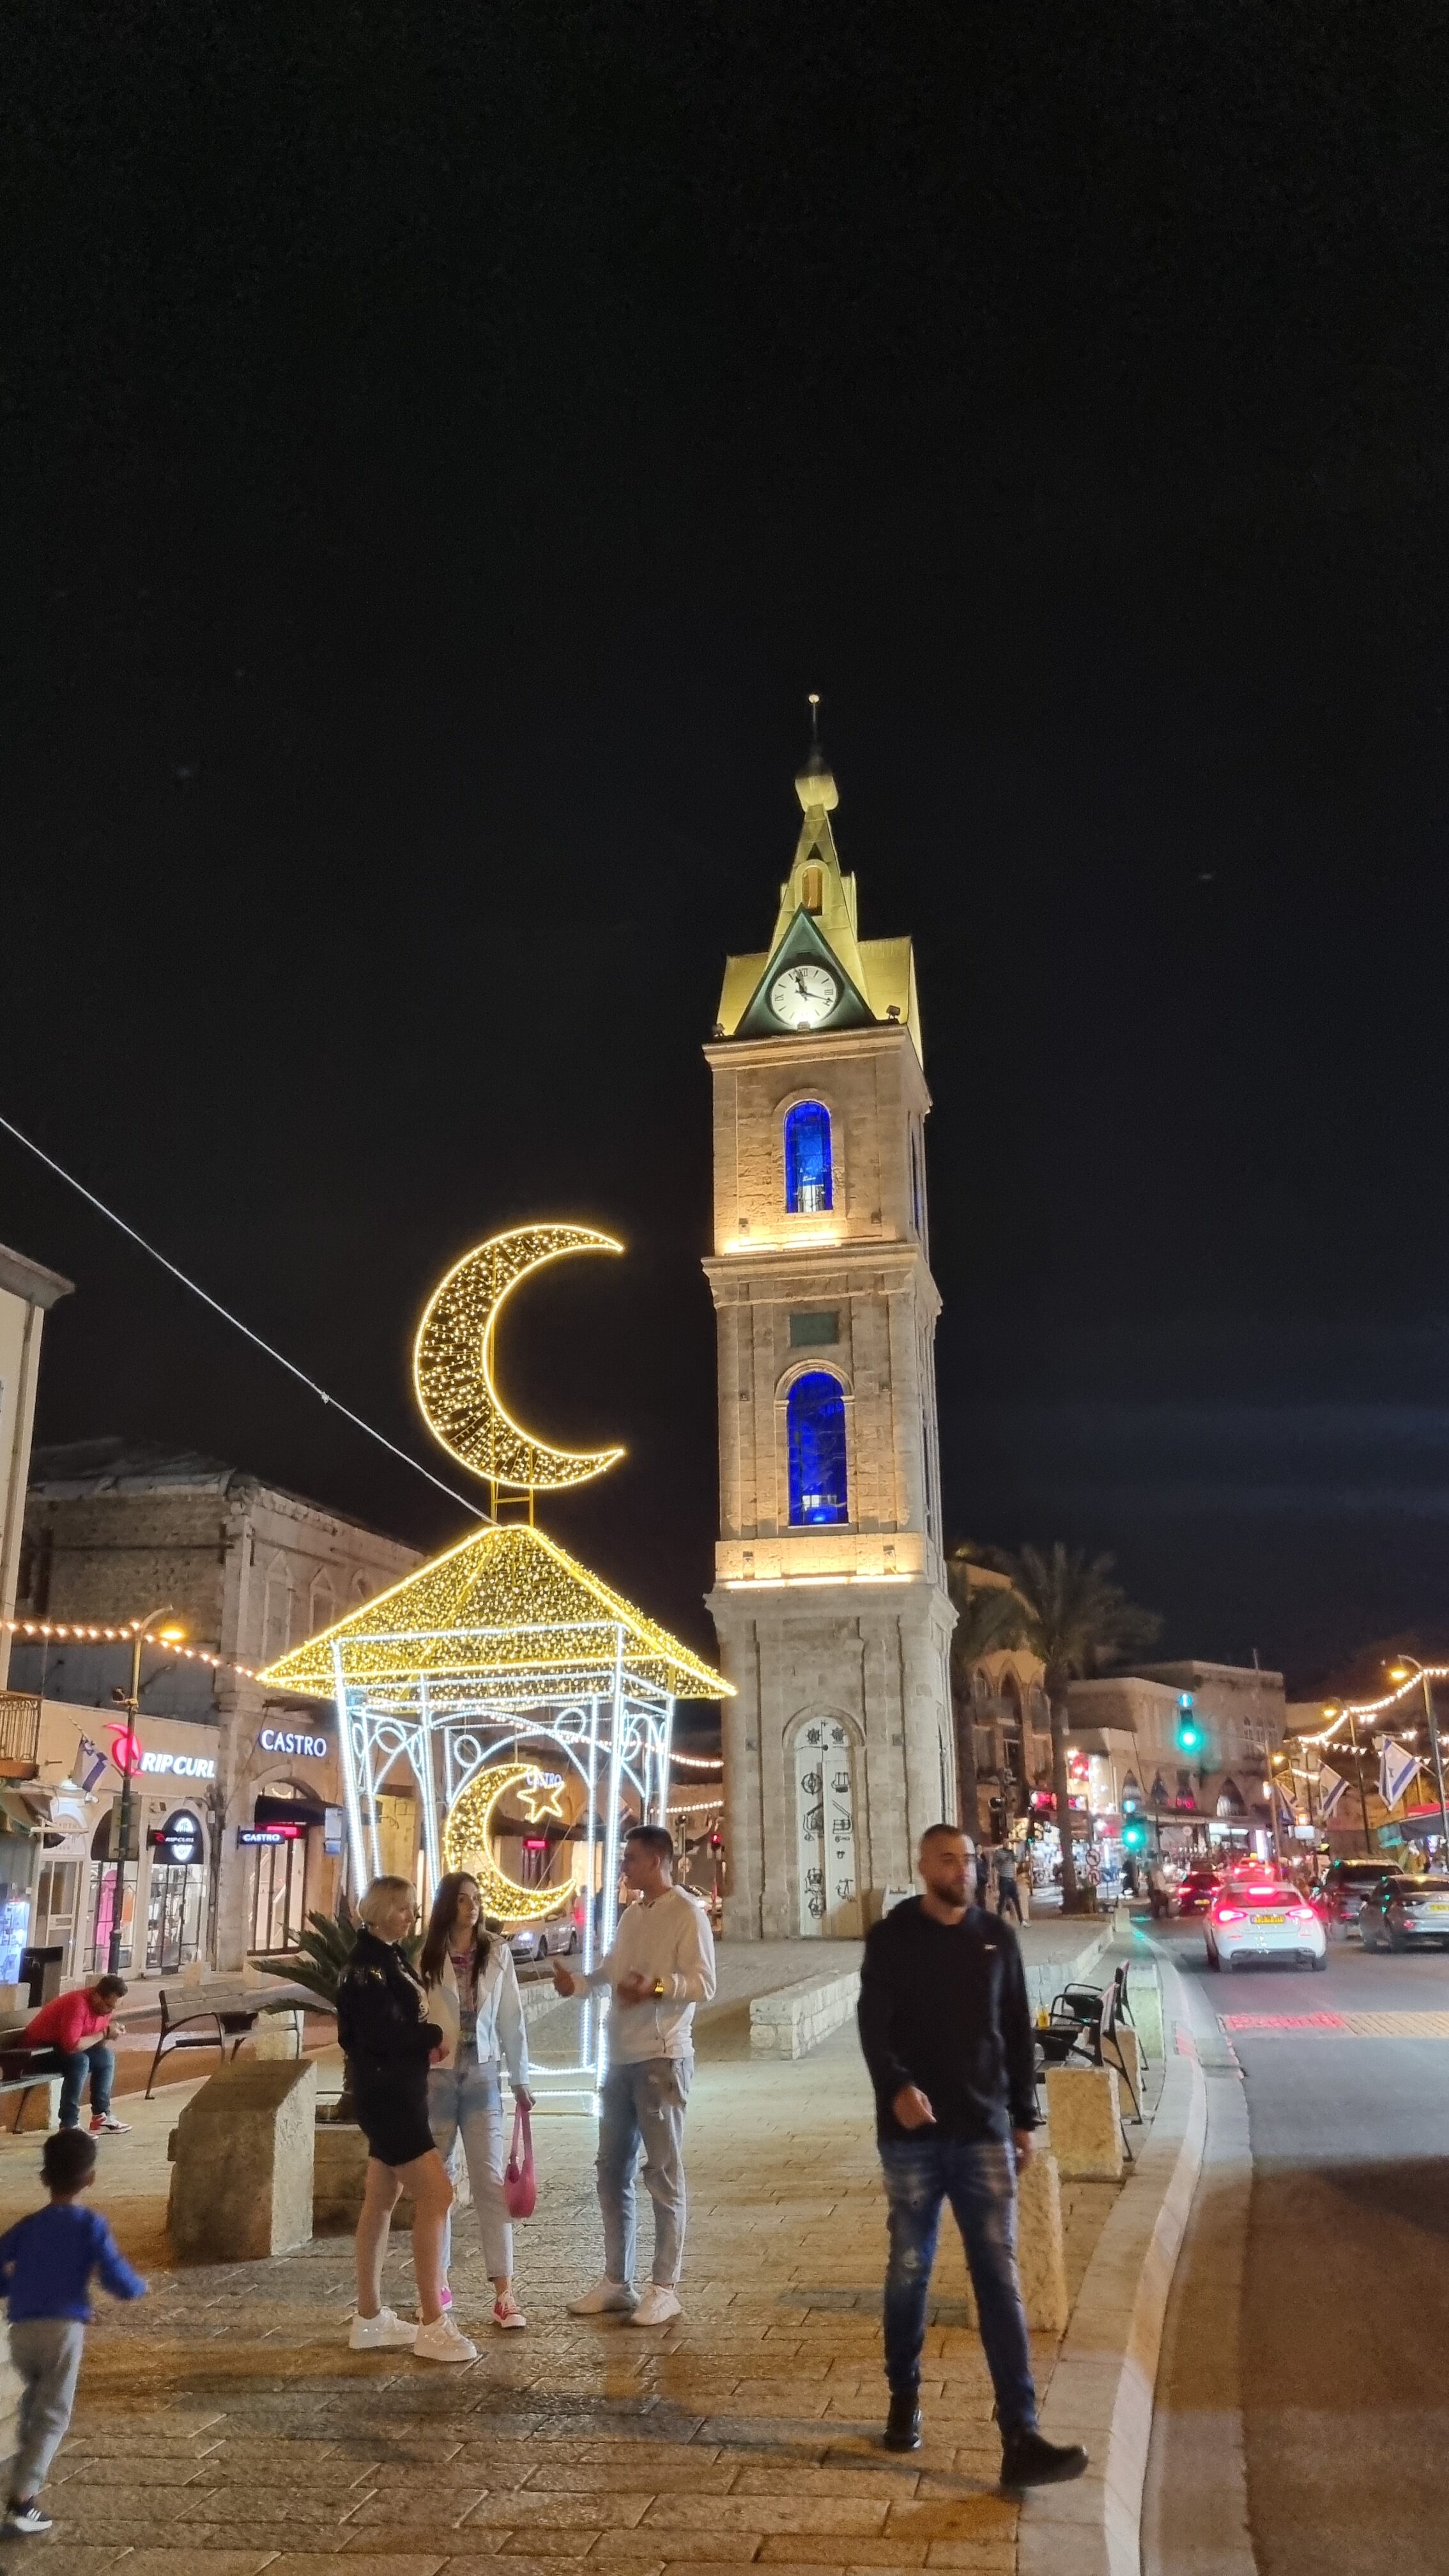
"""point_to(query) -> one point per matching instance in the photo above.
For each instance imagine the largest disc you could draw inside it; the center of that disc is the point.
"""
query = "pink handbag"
(520, 2182)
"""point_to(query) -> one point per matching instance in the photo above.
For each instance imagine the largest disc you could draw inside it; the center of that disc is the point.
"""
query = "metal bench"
(179, 2029)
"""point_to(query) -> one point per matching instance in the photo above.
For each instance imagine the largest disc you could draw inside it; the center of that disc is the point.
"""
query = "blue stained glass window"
(816, 1417)
(808, 1180)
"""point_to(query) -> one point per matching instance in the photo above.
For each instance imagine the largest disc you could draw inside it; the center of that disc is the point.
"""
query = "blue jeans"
(978, 2177)
(467, 2099)
(71, 2065)
(643, 2104)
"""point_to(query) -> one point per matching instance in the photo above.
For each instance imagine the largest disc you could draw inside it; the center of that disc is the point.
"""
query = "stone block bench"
(795, 2019)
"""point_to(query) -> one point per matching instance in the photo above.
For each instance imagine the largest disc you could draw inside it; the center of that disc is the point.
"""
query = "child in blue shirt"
(46, 2263)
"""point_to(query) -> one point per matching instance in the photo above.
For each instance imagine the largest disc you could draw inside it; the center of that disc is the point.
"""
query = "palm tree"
(1075, 1620)
(988, 1620)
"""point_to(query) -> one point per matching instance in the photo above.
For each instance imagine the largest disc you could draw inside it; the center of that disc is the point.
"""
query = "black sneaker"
(903, 2423)
(21, 2520)
(1029, 2460)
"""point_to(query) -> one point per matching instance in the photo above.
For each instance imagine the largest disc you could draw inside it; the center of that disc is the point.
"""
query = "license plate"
(1438, 1905)
(1266, 1918)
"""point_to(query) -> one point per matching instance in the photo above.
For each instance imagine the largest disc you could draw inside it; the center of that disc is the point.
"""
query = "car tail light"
(1227, 1913)
(1303, 1914)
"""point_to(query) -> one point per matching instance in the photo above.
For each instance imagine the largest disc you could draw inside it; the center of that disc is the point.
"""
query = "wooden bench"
(181, 2013)
(218, 2014)
(14, 2079)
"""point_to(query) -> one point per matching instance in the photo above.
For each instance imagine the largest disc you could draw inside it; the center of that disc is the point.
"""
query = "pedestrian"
(472, 1991)
(46, 2265)
(1158, 1894)
(660, 1965)
(983, 1874)
(1008, 1892)
(947, 2035)
(72, 2035)
(389, 2042)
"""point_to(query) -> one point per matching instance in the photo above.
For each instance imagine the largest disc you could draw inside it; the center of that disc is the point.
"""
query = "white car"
(551, 1936)
(1264, 1918)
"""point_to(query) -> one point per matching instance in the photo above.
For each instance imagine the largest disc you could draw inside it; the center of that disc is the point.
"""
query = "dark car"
(1196, 1889)
(1405, 1913)
(1345, 1885)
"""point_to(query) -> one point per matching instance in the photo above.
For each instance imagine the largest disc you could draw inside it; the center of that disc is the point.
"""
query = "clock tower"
(829, 1597)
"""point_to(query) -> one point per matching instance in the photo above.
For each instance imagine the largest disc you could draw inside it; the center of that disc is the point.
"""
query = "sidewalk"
(224, 2428)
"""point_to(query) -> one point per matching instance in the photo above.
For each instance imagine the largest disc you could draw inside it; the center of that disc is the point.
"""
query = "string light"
(453, 1362)
(499, 1615)
(695, 1807)
(699, 1761)
(467, 1844)
(85, 1633)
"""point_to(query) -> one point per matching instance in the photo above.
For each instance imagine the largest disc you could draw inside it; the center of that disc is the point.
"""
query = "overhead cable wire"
(335, 1402)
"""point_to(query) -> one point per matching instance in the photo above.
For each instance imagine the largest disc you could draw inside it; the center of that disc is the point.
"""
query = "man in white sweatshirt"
(660, 1966)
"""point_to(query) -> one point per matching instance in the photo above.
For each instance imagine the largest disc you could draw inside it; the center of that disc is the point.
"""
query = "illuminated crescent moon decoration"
(453, 1362)
(467, 1844)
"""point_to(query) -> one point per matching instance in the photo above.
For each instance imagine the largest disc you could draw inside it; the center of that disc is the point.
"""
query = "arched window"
(816, 1419)
(809, 1183)
(322, 1609)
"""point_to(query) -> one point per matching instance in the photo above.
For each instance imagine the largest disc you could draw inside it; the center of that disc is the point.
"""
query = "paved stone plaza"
(223, 2426)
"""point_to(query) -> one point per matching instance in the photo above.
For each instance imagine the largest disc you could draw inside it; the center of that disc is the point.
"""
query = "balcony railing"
(19, 1730)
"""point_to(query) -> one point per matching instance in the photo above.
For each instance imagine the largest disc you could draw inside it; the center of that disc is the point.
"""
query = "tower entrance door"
(825, 1824)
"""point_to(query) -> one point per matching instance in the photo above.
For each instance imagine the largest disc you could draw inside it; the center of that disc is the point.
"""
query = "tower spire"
(814, 785)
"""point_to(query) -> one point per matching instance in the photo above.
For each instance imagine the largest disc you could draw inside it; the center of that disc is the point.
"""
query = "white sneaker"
(386, 2332)
(656, 2307)
(442, 2342)
(606, 2299)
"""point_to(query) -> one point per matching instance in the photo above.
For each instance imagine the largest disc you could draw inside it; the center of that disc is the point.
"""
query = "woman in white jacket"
(473, 1997)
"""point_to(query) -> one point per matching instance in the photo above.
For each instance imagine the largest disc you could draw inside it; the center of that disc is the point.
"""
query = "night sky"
(442, 446)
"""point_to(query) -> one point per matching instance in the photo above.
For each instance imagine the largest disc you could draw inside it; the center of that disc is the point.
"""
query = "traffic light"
(1134, 1835)
(1190, 1736)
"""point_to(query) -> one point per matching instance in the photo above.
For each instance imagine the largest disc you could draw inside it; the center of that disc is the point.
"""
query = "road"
(1303, 2396)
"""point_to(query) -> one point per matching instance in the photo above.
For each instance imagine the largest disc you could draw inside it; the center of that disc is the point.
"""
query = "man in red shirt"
(70, 2035)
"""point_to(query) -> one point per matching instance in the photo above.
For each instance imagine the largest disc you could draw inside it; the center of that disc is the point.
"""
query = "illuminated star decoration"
(541, 1798)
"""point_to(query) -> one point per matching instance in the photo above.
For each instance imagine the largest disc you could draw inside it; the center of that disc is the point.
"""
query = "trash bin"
(40, 1971)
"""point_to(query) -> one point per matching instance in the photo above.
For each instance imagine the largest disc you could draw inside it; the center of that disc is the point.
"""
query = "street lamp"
(1399, 1672)
(131, 1704)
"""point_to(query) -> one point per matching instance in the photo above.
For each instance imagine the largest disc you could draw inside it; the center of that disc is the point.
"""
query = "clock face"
(804, 995)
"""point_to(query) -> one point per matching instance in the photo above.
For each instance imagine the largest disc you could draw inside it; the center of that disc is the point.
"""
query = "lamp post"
(1336, 1708)
(1399, 1672)
(131, 1704)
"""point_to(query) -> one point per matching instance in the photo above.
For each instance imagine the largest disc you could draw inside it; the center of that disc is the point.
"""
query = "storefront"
(290, 1834)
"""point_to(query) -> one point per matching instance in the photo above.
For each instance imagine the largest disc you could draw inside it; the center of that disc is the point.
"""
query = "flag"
(1396, 1769)
(1287, 1812)
(1329, 1795)
(90, 1762)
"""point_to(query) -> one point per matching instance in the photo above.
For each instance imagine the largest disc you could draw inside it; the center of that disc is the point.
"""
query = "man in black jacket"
(947, 2035)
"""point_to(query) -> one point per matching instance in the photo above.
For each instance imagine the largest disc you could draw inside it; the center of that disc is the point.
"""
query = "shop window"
(809, 1179)
(279, 1882)
(816, 1435)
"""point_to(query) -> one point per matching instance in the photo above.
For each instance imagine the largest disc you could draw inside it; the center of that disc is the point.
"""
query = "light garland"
(1352, 1710)
(467, 1844)
(453, 1362)
(694, 1807)
(82, 1632)
(698, 1761)
(499, 1614)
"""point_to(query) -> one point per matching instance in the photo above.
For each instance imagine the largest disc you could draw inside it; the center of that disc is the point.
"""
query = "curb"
(1101, 2390)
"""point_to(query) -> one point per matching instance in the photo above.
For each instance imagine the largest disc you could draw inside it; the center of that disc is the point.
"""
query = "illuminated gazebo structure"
(504, 1646)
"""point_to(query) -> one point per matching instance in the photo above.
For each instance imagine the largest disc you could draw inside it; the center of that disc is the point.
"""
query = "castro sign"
(310, 1747)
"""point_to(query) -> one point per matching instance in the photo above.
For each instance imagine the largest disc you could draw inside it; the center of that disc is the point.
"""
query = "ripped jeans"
(978, 2177)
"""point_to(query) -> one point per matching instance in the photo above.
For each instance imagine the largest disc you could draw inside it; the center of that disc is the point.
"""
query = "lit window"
(808, 1181)
(816, 1419)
